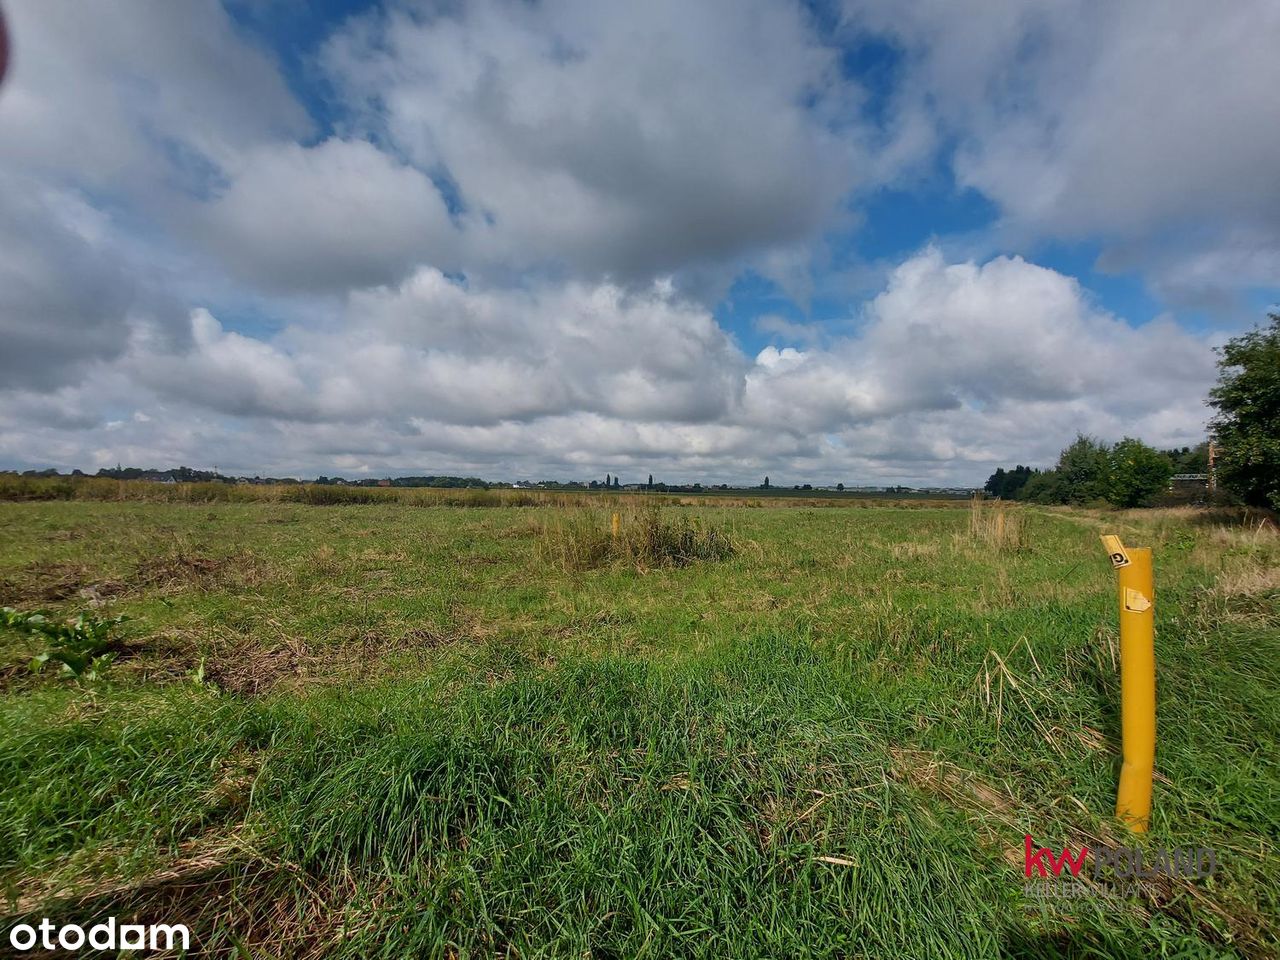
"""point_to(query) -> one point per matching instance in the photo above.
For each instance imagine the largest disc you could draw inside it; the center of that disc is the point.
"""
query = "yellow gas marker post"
(1136, 590)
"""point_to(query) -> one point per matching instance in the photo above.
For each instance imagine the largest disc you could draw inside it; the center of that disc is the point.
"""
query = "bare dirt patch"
(46, 582)
(966, 791)
(189, 569)
(43, 582)
(429, 638)
(246, 668)
(251, 670)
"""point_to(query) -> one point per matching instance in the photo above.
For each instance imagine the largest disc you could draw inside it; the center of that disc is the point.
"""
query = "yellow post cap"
(1119, 555)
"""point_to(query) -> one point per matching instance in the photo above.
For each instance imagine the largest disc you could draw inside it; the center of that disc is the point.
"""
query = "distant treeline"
(176, 474)
(466, 483)
(1126, 474)
(31, 487)
(610, 484)
(1245, 429)
(189, 475)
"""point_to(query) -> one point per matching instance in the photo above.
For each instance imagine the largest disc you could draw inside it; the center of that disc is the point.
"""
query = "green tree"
(1081, 476)
(1008, 484)
(1016, 480)
(1136, 473)
(1247, 426)
(1083, 470)
(1045, 487)
(995, 483)
(1189, 459)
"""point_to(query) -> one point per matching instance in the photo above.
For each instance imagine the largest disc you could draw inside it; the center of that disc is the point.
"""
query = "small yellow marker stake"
(1137, 680)
(615, 526)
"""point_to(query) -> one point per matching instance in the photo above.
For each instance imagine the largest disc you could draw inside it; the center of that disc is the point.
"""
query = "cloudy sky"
(865, 242)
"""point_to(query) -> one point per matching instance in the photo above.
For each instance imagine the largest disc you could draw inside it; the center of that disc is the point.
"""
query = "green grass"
(395, 730)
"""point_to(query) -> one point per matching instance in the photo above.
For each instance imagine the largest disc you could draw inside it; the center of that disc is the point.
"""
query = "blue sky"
(847, 242)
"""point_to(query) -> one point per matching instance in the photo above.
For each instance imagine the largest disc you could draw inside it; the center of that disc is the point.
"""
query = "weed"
(84, 646)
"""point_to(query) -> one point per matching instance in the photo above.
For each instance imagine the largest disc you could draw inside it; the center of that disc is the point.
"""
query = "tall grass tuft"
(647, 537)
(322, 495)
(996, 525)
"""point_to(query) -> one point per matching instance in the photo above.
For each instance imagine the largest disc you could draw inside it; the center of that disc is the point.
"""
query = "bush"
(1128, 474)
(1137, 473)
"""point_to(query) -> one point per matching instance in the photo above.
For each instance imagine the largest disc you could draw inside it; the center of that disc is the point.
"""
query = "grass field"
(398, 730)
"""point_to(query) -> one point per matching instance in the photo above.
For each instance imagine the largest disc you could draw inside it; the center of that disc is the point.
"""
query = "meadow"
(417, 728)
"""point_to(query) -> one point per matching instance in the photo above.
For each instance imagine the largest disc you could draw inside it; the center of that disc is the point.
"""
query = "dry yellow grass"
(1249, 582)
(916, 551)
(995, 524)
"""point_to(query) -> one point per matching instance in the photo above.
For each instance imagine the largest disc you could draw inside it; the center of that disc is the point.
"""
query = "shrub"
(1137, 473)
